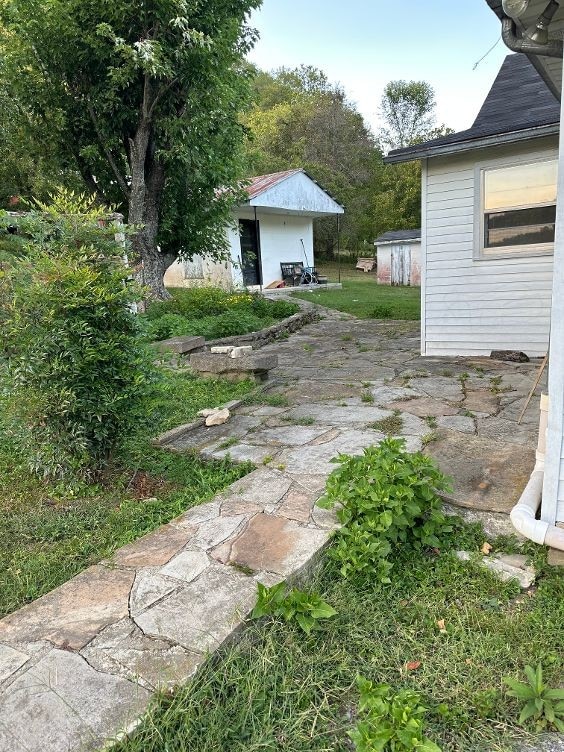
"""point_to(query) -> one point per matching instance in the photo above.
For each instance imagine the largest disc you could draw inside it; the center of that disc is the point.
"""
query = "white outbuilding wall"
(473, 305)
(399, 263)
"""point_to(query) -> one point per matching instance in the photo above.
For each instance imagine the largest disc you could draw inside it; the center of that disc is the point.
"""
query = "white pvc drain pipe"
(524, 513)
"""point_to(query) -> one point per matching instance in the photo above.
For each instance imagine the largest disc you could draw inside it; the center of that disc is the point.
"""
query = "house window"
(519, 208)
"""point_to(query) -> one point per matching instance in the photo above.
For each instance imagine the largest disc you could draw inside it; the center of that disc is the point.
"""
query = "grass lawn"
(364, 298)
(49, 533)
(281, 690)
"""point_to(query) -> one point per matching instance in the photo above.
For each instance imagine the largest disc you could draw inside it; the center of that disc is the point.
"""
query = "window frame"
(481, 253)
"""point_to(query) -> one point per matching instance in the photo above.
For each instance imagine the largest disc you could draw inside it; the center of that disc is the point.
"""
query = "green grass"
(49, 533)
(280, 690)
(365, 299)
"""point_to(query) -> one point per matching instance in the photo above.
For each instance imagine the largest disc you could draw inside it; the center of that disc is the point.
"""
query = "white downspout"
(524, 513)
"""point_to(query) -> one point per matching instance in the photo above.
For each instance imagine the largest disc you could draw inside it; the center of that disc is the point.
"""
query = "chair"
(291, 270)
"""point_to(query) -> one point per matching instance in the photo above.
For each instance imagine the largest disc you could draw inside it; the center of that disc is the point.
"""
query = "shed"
(275, 226)
(399, 258)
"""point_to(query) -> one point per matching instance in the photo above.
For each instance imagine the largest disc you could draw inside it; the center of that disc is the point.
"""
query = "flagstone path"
(80, 664)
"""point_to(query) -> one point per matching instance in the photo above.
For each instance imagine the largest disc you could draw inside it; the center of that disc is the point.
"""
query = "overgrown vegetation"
(213, 313)
(306, 609)
(387, 499)
(75, 370)
(544, 707)
(50, 531)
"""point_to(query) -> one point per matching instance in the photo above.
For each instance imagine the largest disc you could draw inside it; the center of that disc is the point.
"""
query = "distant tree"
(143, 101)
(408, 112)
(301, 119)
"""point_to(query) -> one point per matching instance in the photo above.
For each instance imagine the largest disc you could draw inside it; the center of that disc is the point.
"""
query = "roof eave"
(476, 143)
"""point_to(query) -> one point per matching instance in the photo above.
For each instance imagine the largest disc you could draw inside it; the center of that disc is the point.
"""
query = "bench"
(366, 264)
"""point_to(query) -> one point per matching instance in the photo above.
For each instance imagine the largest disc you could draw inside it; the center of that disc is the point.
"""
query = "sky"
(364, 44)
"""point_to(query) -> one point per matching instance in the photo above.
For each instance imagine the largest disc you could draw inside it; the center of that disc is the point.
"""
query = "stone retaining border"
(271, 333)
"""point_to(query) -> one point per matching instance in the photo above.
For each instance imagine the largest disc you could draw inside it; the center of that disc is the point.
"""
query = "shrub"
(390, 722)
(76, 370)
(389, 499)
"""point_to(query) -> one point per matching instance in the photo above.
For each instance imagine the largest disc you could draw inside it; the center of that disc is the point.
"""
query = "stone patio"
(83, 661)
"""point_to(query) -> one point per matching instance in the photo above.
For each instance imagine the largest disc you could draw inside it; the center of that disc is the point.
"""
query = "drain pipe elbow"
(523, 514)
(555, 47)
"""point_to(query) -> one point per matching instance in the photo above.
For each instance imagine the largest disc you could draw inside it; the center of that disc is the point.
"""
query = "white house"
(488, 213)
(399, 258)
(493, 236)
(275, 226)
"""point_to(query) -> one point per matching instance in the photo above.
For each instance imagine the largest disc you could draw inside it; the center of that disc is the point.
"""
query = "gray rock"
(149, 587)
(63, 704)
(214, 532)
(10, 661)
(187, 565)
(460, 423)
(180, 345)
(335, 415)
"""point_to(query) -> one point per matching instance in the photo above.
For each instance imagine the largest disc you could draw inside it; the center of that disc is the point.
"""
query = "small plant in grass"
(390, 722)
(367, 397)
(429, 438)
(298, 421)
(228, 443)
(543, 706)
(389, 499)
(391, 426)
(306, 609)
(431, 421)
(276, 400)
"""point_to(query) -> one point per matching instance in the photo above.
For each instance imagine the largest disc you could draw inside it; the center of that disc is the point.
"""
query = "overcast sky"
(363, 44)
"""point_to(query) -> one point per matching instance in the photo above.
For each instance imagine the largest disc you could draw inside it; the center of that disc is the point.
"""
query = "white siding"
(474, 305)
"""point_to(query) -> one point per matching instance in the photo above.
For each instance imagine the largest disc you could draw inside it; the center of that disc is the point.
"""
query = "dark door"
(250, 252)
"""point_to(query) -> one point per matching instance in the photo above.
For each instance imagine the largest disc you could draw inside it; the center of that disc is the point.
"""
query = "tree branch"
(108, 154)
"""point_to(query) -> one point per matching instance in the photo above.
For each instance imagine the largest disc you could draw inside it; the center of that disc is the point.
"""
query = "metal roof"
(263, 183)
(395, 235)
(519, 105)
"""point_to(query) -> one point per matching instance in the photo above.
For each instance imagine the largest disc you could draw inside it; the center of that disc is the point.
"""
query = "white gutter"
(524, 513)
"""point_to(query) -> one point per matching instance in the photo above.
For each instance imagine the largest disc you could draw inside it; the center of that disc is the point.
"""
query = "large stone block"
(217, 364)
(180, 345)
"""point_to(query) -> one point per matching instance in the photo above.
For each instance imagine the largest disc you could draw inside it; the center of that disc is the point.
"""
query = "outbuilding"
(275, 226)
(398, 255)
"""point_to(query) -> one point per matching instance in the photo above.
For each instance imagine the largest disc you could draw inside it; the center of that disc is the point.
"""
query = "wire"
(492, 48)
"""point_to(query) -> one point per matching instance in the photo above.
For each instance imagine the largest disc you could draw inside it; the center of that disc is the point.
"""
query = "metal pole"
(259, 253)
(339, 245)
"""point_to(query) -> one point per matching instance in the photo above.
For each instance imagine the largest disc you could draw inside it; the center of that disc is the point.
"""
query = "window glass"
(520, 205)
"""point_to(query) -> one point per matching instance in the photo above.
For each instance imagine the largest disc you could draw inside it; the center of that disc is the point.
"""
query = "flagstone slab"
(318, 459)
(275, 544)
(123, 650)
(481, 401)
(424, 407)
(488, 476)
(214, 532)
(383, 395)
(73, 613)
(502, 430)
(186, 566)
(238, 426)
(461, 423)
(242, 453)
(10, 661)
(290, 435)
(339, 415)
(439, 387)
(149, 587)
(264, 486)
(204, 613)
(297, 505)
(156, 548)
(63, 704)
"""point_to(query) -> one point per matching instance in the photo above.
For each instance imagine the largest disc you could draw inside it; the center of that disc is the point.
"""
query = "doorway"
(250, 252)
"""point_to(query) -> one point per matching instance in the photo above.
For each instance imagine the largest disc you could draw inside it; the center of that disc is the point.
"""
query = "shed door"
(401, 265)
(250, 252)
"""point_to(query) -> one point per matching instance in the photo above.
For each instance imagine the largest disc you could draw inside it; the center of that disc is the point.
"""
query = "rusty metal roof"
(262, 183)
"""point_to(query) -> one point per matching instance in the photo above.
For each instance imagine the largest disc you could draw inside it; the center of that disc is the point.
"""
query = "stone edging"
(271, 333)
(176, 433)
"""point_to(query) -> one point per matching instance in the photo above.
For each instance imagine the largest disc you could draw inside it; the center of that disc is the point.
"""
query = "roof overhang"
(428, 150)
(549, 68)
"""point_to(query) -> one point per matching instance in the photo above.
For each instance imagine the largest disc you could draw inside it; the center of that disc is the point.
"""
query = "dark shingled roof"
(518, 102)
(389, 237)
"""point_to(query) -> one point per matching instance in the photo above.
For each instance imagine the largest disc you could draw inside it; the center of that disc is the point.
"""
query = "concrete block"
(181, 345)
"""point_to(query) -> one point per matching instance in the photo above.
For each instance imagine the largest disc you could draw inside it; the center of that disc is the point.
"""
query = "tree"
(301, 119)
(408, 112)
(144, 100)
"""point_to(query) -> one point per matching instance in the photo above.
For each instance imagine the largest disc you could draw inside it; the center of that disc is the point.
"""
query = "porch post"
(551, 511)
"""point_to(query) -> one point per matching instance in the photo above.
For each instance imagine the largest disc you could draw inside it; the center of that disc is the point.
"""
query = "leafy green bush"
(389, 499)
(213, 313)
(390, 722)
(307, 609)
(543, 705)
(76, 370)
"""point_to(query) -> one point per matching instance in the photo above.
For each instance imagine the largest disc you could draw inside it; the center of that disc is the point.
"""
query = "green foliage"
(390, 722)
(307, 609)
(76, 371)
(213, 313)
(408, 111)
(543, 706)
(388, 499)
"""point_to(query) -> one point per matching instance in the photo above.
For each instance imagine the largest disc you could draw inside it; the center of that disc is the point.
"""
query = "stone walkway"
(80, 664)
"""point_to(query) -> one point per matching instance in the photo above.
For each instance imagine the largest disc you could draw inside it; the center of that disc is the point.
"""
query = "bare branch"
(107, 153)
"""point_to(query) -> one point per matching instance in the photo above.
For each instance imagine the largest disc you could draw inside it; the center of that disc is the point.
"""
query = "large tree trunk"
(147, 184)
